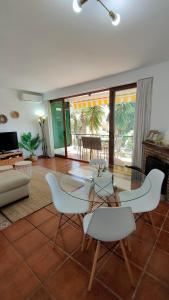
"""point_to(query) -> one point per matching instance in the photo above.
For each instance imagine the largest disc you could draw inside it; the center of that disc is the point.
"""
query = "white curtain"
(49, 130)
(142, 117)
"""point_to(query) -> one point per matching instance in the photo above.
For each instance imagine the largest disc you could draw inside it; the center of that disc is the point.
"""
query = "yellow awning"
(103, 101)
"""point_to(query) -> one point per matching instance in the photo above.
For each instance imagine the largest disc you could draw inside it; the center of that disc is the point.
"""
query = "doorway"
(104, 119)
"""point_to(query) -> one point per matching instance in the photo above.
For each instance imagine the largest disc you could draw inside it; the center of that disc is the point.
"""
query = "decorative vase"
(33, 158)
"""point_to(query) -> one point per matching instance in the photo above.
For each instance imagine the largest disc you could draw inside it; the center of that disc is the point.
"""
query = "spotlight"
(77, 5)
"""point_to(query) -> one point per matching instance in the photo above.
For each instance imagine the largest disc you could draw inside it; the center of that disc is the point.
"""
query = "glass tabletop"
(108, 183)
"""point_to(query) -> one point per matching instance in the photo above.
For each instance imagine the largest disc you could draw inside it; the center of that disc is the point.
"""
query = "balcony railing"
(123, 146)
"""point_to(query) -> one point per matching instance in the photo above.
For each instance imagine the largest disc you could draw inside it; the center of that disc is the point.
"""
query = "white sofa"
(14, 186)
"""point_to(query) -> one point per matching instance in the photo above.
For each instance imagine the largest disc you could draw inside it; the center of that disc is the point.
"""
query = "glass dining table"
(106, 185)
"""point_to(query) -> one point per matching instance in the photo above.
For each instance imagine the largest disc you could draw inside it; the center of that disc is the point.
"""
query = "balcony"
(123, 148)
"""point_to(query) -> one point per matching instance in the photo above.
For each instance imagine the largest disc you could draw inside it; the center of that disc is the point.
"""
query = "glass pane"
(68, 128)
(89, 118)
(125, 103)
(58, 127)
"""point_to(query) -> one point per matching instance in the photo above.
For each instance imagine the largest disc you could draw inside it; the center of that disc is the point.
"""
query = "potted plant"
(30, 143)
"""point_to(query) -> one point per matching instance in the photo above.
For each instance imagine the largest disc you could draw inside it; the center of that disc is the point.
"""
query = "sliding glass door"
(61, 126)
(107, 118)
(57, 110)
(122, 117)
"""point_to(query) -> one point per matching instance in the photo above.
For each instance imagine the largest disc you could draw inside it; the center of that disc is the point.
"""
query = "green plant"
(94, 116)
(124, 117)
(30, 143)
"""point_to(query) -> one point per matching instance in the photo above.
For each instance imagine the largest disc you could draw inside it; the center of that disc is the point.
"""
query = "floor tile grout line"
(25, 218)
(19, 237)
(64, 225)
(150, 225)
(162, 250)
(122, 259)
(78, 227)
(120, 256)
(166, 231)
(36, 227)
(98, 280)
(157, 279)
(66, 253)
(113, 253)
(38, 288)
(50, 239)
(52, 215)
(33, 250)
(98, 271)
(149, 258)
(70, 256)
(23, 260)
(161, 214)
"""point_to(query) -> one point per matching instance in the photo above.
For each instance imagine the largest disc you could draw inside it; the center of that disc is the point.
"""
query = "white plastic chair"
(148, 202)
(109, 224)
(73, 203)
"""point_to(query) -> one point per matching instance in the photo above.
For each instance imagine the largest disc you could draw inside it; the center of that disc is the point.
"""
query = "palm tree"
(124, 117)
(83, 122)
(94, 116)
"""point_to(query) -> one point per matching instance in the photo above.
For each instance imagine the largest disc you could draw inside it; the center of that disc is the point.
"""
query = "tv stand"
(5, 152)
(10, 158)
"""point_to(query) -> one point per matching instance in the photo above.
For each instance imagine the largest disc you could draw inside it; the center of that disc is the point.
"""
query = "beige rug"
(39, 193)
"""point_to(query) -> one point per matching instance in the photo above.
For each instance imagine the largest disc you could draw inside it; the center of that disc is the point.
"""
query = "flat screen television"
(8, 141)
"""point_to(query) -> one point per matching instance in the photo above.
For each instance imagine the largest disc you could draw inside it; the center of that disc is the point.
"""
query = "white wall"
(10, 101)
(160, 105)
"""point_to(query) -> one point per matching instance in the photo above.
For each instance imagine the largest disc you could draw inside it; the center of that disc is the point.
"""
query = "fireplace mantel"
(159, 151)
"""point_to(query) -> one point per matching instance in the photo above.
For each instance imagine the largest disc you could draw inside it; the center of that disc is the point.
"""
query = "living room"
(84, 149)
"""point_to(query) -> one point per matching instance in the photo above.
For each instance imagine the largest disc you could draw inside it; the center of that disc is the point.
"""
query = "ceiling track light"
(77, 7)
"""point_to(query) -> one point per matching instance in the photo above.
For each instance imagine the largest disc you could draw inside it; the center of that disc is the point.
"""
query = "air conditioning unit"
(31, 97)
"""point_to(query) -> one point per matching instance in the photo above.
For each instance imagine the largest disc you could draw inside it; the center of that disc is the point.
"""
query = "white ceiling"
(45, 45)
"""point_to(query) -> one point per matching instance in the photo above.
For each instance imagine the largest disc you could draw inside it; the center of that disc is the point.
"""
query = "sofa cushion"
(12, 179)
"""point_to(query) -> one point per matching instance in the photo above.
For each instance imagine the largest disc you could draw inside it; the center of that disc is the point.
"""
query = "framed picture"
(154, 136)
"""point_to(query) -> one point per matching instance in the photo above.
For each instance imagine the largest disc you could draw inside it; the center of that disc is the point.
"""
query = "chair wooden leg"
(57, 229)
(127, 263)
(80, 220)
(152, 222)
(83, 242)
(89, 243)
(94, 266)
(128, 244)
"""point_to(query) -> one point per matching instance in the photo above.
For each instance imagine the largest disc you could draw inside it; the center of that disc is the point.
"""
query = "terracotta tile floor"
(30, 268)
